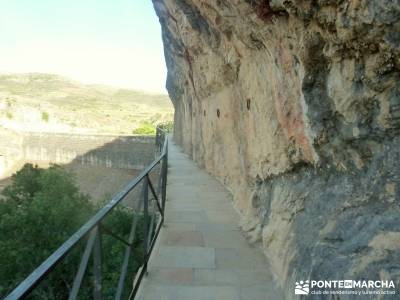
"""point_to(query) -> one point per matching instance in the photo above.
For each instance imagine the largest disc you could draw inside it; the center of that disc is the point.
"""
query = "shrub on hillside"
(45, 116)
(166, 126)
(145, 128)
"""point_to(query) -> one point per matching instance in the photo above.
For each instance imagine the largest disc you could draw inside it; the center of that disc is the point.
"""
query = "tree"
(39, 211)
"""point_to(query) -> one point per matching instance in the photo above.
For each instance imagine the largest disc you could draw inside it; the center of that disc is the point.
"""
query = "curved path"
(200, 253)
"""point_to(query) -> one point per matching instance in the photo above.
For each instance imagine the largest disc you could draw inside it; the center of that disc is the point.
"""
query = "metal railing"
(153, 216)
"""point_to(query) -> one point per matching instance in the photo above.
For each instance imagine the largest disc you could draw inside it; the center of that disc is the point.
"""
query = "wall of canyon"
(295, 106)
(119, 152)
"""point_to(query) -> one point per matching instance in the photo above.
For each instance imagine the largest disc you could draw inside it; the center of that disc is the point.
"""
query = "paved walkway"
(200, 253)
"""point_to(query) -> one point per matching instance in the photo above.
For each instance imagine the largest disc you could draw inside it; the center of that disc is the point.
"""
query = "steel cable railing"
(153, 216)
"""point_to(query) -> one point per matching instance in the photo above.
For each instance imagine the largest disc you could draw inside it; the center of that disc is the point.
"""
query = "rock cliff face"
(295, 106)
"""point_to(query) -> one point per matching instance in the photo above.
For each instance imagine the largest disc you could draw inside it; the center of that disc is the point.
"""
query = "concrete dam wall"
(10, 151)
(124, 152)
(121, 152)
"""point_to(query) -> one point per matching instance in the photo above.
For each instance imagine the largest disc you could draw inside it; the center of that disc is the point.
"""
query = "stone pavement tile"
(232, 277)
(227, 293)
(265, 292)
(194, 179)
(171, 276)
(218, 206)
(183, 199)
(215, 195)
(181, 226)
(225, 239)
(254, 257)
(197, 195)
(154, 292)
(215, 277)
(200, 204)
(254, 278)
(182, 238)
(239, 259)
(216, 216)
(194, 216)
(228, 259)
(204, 227)
(180, 193)
(185, 257)
(212, 192)
(175, 205)
(181, 188)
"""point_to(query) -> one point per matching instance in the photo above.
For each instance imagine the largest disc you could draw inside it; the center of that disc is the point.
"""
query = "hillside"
(51, 103)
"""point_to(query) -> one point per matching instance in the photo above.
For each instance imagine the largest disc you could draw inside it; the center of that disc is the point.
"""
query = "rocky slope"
(295, 106)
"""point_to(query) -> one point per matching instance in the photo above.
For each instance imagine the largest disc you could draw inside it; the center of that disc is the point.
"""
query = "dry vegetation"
(48, 103)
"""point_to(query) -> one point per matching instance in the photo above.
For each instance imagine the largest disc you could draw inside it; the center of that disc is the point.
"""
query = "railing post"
(146, 220)
(83, 265)
(157, 140)
(97, 262)
(164, 176)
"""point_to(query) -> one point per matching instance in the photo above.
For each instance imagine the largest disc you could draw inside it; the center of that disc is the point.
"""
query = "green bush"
(166, 126)
(145, 128)
(9, 115)
(45, 116)
(39, 211)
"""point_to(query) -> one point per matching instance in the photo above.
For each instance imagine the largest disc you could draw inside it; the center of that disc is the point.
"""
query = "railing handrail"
(39, 274)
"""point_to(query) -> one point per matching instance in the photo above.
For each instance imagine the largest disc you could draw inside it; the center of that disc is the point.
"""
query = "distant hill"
(51, 103)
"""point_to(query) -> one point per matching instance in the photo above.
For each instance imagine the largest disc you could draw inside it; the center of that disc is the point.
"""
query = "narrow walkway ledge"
(200, 253)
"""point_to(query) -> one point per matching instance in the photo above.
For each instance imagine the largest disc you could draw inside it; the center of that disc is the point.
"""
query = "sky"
(113, 42)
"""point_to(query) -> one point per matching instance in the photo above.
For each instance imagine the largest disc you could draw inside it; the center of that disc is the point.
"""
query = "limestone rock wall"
(295, 106)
